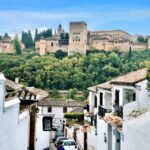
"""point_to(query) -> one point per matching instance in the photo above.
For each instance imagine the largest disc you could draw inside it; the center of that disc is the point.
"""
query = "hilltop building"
(80, 39)
(6, 45)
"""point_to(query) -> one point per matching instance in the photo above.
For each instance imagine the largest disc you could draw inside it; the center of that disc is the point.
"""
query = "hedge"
(78, 116)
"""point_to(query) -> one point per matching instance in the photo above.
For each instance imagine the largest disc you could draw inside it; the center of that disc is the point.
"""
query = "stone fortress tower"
(78, 37)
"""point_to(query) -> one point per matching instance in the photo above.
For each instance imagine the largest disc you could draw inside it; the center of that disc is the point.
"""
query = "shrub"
(76, 116)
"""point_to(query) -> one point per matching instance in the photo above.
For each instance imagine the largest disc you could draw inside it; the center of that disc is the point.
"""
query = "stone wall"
(6, 47)
(45, 46)
(139, 46)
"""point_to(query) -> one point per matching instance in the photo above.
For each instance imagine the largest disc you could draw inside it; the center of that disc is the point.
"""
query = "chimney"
(17, 80)
(2, 92)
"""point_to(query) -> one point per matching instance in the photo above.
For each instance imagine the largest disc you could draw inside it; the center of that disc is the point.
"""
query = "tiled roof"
(12, 85)
(127, 79)
(37, 92)
(24, 93)
(92, 88)
(60, 103)
(105, 86)
(131, 78)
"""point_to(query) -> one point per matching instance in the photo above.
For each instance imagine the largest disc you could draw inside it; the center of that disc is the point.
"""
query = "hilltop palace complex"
(81, 39)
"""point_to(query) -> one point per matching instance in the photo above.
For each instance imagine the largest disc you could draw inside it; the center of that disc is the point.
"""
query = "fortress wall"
(139, 46)
(109, 46)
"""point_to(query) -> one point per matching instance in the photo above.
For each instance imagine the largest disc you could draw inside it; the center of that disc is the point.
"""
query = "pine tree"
(36, 35)
(130, 53)
(6, 35)
(30, 40)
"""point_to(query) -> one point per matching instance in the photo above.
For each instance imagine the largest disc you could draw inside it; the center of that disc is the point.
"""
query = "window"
(95, 101)
(101, 99)
(52, 44)
(117, 97)
(49, 109)
(134, 96)
(64, 109)
(47, 123)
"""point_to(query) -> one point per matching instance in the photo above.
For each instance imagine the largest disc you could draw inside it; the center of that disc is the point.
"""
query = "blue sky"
(132, 16)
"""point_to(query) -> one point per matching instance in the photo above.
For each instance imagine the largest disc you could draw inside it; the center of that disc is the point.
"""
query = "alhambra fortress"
(81, 39)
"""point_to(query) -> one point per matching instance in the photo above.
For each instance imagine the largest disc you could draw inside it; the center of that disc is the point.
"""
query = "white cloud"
(16, 21)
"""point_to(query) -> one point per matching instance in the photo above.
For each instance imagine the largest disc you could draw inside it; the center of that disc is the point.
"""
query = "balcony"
(102, 111)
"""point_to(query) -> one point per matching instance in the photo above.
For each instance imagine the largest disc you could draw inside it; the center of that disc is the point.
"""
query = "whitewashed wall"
(80, 138)
(42, 137)
(102, 127)
(137, 133)
(92, 139)
(91, 101)
(13, 127)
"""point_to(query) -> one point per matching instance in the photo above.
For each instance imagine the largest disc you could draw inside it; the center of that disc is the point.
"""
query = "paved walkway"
(52, 147)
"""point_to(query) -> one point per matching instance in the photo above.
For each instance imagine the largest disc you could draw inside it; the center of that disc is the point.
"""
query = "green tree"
(141, 39)
(48, 33)
(27, 39)
(130, 53)
(60, 54)
(72, 93)
(17, 45)
(36, 35)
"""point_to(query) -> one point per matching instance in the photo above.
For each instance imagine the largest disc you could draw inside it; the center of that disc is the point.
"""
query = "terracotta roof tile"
(13, 85)
(131, 78)
(127, 79)
(105, 86)
(60, 103)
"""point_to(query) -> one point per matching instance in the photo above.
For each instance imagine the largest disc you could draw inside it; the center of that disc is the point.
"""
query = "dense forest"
(61, 72)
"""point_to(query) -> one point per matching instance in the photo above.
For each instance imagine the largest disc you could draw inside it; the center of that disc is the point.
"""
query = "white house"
(13, 123)
(28, 98)
(115, 103)
(54, 108)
